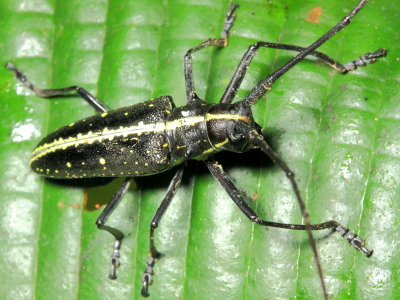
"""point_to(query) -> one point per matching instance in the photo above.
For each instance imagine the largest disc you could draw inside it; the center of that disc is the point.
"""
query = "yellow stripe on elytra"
(140, 128)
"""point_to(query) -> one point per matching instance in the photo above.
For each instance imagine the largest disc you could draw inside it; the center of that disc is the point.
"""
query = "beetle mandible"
(155, 136)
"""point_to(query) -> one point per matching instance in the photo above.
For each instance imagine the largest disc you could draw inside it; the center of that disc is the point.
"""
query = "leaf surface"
(339, 134)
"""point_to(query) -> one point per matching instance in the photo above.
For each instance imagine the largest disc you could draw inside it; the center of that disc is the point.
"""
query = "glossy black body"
(143, 139)
(102, 145)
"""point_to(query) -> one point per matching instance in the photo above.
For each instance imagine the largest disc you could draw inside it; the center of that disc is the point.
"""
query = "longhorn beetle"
(155, 136)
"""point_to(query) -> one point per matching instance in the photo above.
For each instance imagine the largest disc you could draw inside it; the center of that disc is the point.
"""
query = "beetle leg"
(154, 254)
(217, 171)
(265, 84)
(257, 140)
(102, 219)
(220, 42)
(237, 197)
(244, 63)
(46, 93)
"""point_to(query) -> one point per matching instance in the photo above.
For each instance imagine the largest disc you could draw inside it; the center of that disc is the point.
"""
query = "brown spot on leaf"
(62, 205)
(314, 14)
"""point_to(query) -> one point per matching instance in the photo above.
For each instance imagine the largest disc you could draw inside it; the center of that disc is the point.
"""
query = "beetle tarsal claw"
(115, 263)
(115, 260)
(357, 242)
(364, 60)
(147, 276)
(147, 280)
(112, 274)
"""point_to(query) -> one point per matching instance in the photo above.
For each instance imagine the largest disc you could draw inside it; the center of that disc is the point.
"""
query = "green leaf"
(339, 133)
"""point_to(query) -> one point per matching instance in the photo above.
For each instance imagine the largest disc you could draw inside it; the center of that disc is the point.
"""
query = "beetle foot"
(115, 260)
(19, 75)
(229, 19)
(357, 242)
(148, 276)
(364, 60)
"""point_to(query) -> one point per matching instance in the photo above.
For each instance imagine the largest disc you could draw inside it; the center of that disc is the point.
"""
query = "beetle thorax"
(198, 129)
(221, 120)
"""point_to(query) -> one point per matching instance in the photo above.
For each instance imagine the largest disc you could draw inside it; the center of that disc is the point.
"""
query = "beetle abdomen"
(130, 141)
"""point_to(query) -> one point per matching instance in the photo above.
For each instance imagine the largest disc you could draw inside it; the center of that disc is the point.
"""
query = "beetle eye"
(234, 135)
